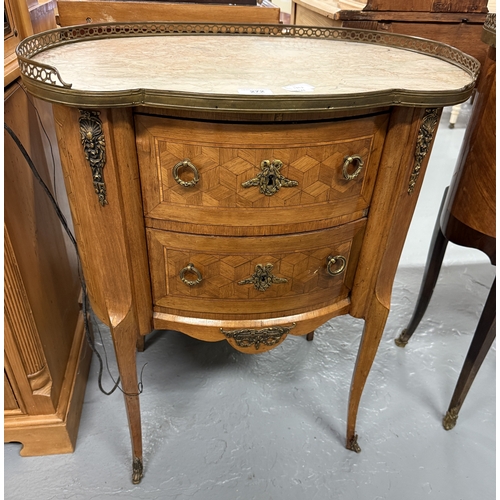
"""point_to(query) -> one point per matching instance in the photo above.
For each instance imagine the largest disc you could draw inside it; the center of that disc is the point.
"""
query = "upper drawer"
(257, 174)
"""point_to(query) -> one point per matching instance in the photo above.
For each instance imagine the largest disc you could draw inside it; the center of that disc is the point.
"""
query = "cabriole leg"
(481, 342)
(125, 337)
(431, 274)
(374, 327)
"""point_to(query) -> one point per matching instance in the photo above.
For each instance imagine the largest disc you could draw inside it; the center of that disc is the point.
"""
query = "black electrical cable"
(64, 223)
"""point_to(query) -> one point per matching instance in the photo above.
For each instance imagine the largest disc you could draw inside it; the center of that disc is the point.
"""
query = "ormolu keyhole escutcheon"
(270, 180)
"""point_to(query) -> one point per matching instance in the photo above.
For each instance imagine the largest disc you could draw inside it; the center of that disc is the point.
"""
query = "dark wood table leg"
(310, 336)
(432, 267)
(483, 338)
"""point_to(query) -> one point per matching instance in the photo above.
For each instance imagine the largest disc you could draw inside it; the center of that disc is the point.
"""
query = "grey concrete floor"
(219, 424)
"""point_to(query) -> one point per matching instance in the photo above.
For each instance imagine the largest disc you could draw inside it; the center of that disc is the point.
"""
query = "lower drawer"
(233, 276)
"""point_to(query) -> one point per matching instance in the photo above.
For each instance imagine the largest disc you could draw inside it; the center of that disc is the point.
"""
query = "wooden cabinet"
(456, 22)
(46, 356)
(259, 200)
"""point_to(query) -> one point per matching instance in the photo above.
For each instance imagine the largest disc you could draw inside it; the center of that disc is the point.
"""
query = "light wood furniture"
(468, 217)
(71, 12)
(46, 358)
(259, 200)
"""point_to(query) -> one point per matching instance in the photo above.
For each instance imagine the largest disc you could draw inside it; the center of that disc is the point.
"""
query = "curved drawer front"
(259, 174)
(270, 274)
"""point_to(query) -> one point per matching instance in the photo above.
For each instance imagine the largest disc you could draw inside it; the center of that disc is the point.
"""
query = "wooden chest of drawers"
(247, 221)
(235, 212)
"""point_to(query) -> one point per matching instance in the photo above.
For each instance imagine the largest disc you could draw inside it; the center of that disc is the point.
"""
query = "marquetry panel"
(233, 154)
(316, 169)
(224, 262)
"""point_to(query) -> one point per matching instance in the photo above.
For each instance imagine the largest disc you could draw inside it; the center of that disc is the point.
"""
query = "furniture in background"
(456, 22)
(241, 207)
(46, 356)
(71, 12)
(467, 217)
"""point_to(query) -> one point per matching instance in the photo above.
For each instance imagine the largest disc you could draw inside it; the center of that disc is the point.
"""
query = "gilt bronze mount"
(94, 148)
(424, 140)
(270, 180)
(249, 337)
(262, 278)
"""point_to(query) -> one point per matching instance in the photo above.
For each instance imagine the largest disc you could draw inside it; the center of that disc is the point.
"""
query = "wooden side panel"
(391, 210)
(126, 163)
(472, 196)
(101, 230)
(44, 255)
(76, 12)
(17, 27)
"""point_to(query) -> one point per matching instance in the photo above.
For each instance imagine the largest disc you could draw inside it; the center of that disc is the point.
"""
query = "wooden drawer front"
(225, 262)
(227, 156)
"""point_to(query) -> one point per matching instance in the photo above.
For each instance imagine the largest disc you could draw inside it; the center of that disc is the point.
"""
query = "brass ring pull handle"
(188, 164)
(190, 269)
(352, 160)
(330, 261)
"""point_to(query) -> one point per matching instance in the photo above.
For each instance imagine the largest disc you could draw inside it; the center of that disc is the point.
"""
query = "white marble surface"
(229, 64)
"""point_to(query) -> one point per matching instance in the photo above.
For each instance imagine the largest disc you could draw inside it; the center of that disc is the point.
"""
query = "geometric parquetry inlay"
(317, 169)
(305, 272)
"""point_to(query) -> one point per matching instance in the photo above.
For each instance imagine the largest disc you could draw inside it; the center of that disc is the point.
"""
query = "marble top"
(230, 65)
(243, 67)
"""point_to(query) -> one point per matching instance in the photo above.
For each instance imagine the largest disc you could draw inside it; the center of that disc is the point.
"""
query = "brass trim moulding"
(45, 82)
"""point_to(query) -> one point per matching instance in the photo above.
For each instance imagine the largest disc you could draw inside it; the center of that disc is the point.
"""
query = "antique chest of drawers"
(241, 182)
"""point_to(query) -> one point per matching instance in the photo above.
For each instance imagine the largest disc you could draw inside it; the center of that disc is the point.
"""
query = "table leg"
(374, 327)
(431, 274)
(124, 338)
(481, 342)
(141, 343)
(310, 336)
